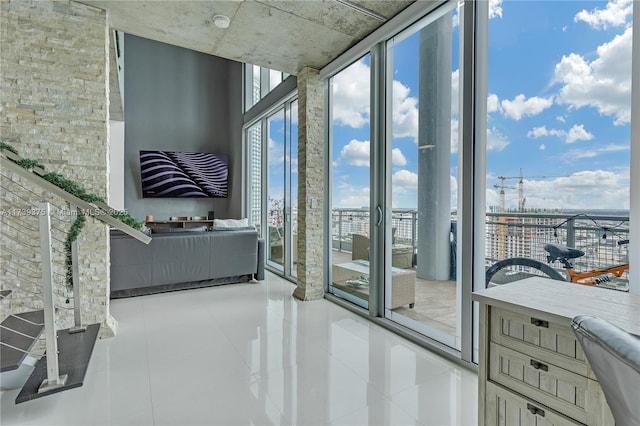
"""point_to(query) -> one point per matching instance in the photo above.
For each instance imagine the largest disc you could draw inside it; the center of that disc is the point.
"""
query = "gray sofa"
(179, 260)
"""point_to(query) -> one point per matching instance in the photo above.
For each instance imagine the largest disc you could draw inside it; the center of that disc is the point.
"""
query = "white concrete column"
(434, 150)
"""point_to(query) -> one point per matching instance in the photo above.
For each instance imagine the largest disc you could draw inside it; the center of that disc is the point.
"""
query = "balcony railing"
(509, 234)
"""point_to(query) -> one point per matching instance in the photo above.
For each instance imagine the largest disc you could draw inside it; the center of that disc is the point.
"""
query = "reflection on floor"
(435, 304)
(251, 354)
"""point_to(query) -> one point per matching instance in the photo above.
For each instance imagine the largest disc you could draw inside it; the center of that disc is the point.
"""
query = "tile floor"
(250, 354)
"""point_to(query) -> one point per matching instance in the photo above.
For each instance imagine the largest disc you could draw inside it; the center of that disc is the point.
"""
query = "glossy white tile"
(251, 354)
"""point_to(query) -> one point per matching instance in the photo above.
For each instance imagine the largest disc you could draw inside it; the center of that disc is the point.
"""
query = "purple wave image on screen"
(183, 174)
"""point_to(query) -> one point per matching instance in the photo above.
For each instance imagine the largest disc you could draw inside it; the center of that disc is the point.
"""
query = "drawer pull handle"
(540, 323)
(535, 410)
(539, 366)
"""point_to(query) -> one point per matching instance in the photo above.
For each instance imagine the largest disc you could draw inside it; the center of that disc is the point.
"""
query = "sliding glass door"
(350, 183)
(422, 291)
(396, 179)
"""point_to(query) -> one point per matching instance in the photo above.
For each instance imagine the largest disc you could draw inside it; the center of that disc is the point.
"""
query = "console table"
(178, 224)
(532, 369)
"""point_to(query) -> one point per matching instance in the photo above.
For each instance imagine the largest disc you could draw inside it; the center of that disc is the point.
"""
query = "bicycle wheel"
(519, 268)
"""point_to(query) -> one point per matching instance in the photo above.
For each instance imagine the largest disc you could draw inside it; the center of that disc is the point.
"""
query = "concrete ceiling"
(278, 34)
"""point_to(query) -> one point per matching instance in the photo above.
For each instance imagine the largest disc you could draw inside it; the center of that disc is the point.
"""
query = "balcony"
(507, 235)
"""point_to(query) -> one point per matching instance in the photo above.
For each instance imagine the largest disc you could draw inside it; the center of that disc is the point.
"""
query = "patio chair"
(359, 247)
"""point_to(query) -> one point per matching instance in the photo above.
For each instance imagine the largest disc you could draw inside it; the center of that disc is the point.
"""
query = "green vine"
(74, 232)
(75, 189)
(7, 147)
(27, 164)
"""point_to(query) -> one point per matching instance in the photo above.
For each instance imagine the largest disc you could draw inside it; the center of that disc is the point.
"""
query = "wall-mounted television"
(171, 174)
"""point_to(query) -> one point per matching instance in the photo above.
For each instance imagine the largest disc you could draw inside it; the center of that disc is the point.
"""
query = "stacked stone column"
(54, 101)
(310, 186)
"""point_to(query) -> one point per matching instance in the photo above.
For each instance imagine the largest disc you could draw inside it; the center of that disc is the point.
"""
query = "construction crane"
(502, 187)
(521, 198)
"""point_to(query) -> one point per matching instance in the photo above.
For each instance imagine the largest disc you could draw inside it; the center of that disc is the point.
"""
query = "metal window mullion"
(378, 180)
(288, 238)
(328, 178)
(474, 131)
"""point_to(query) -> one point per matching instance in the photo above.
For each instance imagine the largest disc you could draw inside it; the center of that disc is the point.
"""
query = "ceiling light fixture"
(221, 21)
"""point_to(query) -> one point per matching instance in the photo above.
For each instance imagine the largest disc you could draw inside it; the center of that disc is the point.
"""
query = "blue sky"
(559, 106)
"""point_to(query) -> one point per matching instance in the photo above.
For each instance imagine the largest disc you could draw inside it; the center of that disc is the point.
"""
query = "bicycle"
(601, 277)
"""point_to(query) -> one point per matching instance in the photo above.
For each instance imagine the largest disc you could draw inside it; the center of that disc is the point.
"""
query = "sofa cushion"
(229, 224)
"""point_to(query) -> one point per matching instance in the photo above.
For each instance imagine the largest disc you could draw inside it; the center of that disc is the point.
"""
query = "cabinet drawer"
(505, 408)
(541, 339)
(562, 390)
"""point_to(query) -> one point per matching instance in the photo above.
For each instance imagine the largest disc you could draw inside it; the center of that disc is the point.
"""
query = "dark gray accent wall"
(236, 151)
(180, 100)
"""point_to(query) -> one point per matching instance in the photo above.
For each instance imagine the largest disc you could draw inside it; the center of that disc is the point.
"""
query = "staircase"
(34, 276)
(18, 334)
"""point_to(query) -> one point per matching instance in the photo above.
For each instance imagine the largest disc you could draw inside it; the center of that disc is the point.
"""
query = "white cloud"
(577, 154)
(405, 112)
(495, 8)
(604, 83)
(358, 153)
(520, 106)
(403, 181)
(493, 103)
(541, 131)
(349, 196)
(455, 91)
(542, 147)
(455, 135)
(496, 141)
(351, 90)
(561, 119)
(576, 133)
(614, 14)
(398, 158)
(578, 191)
(276, 154)
(350, 106)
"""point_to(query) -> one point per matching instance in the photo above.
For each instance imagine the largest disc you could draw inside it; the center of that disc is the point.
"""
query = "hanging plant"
(75, 189)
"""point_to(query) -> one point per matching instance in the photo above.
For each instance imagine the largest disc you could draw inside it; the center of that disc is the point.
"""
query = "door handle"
(379, 216)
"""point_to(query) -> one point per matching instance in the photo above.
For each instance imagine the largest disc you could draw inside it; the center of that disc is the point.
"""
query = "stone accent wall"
(310, 186)
(54, 108)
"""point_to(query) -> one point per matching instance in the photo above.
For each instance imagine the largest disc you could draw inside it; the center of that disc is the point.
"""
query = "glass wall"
(558, 150)
(272, 196)
(350, 182)
(540, 158)
(275, 189)
(258, 82)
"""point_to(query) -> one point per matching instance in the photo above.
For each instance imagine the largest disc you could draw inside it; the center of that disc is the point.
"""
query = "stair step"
(73, 360)
(4, 293)
(18, 334)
